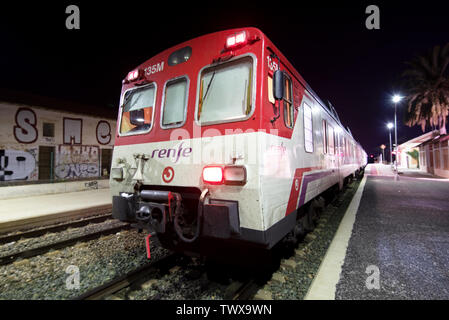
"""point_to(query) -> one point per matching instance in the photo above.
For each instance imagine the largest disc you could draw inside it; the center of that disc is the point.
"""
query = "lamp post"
(383, 152)
(390, 126)
(396, 98)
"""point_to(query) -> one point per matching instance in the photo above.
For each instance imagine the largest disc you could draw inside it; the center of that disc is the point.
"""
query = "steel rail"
(54, 228)
(61, 244)
(128, 279)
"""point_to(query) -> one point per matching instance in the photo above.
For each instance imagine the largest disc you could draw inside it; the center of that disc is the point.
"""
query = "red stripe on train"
(296, 188)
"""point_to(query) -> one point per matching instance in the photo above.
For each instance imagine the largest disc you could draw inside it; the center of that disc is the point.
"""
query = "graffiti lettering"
(103, 132)
(77, 170)
(16, 165)
(25, 130)
(77, 161)
(72, 131)
(91, 185)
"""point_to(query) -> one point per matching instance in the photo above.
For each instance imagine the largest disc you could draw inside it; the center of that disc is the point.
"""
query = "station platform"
(393, 242)
(30, 211)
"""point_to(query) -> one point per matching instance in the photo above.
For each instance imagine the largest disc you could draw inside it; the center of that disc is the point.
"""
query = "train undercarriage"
(189, 221)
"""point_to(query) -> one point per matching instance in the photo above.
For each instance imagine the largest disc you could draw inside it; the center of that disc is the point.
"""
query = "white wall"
(78, 140)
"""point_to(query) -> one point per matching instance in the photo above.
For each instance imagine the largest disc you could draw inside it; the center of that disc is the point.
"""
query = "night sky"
(355, 68)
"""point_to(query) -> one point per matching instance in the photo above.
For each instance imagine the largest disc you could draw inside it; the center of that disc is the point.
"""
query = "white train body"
(271, 164)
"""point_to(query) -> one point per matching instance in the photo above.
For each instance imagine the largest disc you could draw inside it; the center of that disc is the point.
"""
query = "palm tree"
(427, 89)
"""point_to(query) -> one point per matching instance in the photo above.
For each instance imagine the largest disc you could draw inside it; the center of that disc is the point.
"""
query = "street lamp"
(382, 146)
(390, 126)
(396, 98)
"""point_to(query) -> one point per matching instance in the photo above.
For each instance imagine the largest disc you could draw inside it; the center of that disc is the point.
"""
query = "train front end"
(186, 157)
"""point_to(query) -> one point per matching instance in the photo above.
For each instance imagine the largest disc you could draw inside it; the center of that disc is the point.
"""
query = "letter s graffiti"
(25, 130)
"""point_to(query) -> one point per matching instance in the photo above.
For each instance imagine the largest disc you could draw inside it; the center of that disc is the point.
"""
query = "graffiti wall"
(43, 143)
(18, 164)
(74, 161)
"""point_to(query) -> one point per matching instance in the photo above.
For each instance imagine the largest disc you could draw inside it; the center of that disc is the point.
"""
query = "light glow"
(133, 75)
(390, 125)
(213, 175)
(396, 98)
(236, 40)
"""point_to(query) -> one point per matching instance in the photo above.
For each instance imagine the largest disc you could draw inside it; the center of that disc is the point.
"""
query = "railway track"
(28, 253)
(238, 290)
(235, 291)
(241, 290)
(131, 278)
(53, 228)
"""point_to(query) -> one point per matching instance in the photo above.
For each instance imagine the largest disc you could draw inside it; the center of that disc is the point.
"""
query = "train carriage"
(221, 144)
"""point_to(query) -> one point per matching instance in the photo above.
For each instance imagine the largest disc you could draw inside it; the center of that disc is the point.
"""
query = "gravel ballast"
(98, 261)
(296, 273)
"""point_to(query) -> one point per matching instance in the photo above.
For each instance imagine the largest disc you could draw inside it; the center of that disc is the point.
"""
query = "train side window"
(288, 104)
(308, 128)
(137, 110)
(331, 139)
(175, 103)
(324, 136)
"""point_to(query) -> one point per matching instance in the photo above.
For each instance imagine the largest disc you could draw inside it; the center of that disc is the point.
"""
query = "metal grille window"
(436, 147)
(308, 128)
(48, 129)
(445, 154)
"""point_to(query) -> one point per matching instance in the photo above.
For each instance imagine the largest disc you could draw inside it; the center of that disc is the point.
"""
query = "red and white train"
(221, 144)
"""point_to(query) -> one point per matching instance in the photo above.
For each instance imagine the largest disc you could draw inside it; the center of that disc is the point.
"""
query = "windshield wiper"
(208, 86)
(217, 61)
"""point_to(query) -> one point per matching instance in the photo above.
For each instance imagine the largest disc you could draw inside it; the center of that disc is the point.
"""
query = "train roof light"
(236, 40)
(133, 75)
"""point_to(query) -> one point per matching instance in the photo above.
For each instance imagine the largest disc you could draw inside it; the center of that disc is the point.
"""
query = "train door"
(338, 152)
(106, 156)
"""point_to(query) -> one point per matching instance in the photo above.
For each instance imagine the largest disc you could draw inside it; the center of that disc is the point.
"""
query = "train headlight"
(230, 175)
(235, 175)
(213, 174)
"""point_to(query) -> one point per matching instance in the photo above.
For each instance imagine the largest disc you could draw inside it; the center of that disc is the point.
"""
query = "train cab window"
(308, 128)
(331, 139)
(137, 110)
(324, 136)
(288, 103)
(175, 103)
(225, 92)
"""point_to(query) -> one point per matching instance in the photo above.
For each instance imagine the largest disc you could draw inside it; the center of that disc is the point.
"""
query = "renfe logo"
(167, 153)
(168, 174)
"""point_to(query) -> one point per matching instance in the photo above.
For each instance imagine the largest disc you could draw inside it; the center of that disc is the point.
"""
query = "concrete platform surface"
(397, 247)
(29, 190)
(24, 212)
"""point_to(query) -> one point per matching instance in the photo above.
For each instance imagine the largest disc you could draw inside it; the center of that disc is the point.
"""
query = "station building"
(45, 139)
(433, 150)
